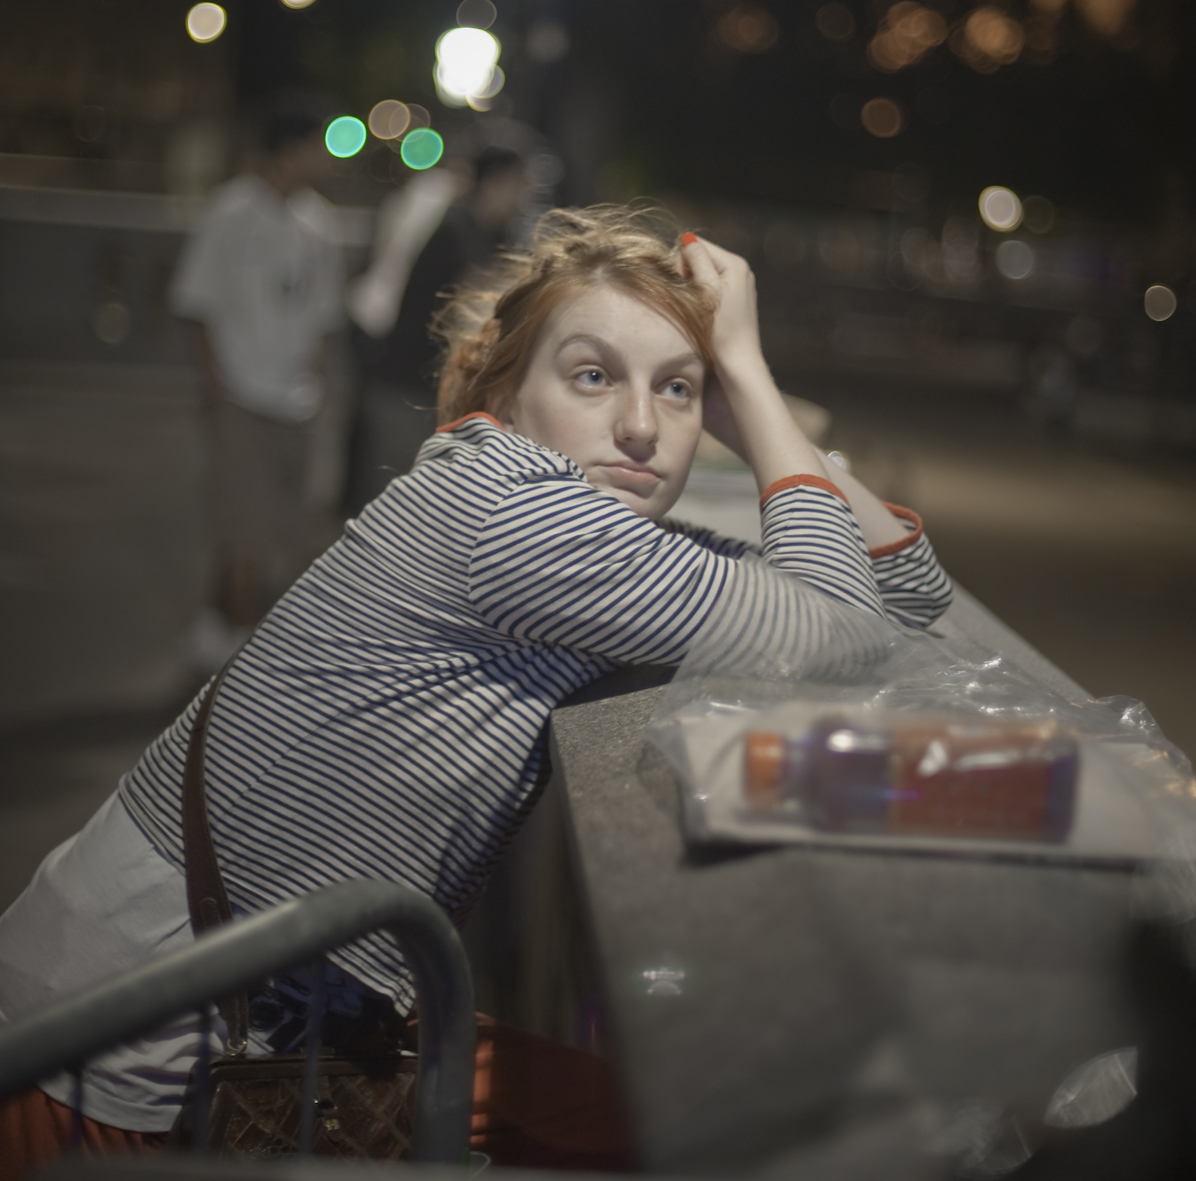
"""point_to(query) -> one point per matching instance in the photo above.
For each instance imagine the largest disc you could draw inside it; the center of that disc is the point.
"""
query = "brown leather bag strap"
(207, 899)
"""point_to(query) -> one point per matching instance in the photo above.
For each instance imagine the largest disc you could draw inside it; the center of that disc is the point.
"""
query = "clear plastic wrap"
(797, 719)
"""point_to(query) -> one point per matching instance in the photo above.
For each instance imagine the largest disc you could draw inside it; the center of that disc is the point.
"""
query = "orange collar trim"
(452, 426)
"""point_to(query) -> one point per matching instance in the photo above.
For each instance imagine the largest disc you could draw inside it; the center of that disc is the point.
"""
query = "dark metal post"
(77, 1108)
(311, 1062)
(203, 1083)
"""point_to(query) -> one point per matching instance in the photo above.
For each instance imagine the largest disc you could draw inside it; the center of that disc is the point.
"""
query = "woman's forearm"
(775, 447)
(877, 524)
(772, 443)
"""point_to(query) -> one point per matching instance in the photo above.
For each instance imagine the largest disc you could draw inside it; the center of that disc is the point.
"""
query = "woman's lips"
(636, 478)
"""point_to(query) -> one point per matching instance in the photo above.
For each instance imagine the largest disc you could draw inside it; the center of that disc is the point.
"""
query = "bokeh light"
(882, 117)
(1015, 259)
(465, 63)
(111, 322)
(545, 170)
(748, 28)
(1106, 17)
(835, 21)
(989, 39)
(1160, 302)
(476, 14)
(1038, 214)
(389, 119)
(1042, 38)
(298, 3)
(907, 32)
(1000, 209)
(482, 100)
(421, 148)
(420, 116)
(205, 22)
(345, 136)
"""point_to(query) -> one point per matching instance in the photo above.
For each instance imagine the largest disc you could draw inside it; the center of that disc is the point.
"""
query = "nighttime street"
(253, 254)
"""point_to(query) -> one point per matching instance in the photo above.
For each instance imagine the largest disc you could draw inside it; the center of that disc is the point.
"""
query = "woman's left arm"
(744, 409)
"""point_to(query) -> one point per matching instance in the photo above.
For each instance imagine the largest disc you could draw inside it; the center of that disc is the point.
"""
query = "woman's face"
(616, 387)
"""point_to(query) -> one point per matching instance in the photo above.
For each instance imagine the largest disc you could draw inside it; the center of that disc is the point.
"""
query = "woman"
(386, 720)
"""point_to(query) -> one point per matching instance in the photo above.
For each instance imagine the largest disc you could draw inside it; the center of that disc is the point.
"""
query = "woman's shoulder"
(480, 440)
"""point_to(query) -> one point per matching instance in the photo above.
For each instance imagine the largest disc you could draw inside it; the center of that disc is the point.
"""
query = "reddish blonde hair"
(489, 328)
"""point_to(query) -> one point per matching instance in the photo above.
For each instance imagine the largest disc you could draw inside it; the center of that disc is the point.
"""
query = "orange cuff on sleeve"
(895, 547)
(800, 481)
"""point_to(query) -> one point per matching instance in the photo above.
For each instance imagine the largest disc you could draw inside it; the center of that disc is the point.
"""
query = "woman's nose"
(636, 421)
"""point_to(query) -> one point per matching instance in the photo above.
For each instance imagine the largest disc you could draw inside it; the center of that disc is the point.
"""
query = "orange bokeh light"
(908, 31)
(1106, 17)
(748, 28)
(989, 39)
(882, 117)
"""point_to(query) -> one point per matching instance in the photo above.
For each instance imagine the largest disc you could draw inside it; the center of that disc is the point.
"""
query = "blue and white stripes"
(914, 587)
(386, 719)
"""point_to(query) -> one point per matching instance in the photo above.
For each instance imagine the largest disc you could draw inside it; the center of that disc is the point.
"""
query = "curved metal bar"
(245, 952)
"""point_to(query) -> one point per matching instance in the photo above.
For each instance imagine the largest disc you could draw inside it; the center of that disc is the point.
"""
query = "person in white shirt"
(262, 281)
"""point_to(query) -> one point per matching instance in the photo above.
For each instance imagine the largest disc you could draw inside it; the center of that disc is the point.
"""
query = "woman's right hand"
(759, 427)
(745, 410)
(736, 336)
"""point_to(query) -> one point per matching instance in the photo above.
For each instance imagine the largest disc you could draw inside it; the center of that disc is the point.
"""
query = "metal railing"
(240, 956)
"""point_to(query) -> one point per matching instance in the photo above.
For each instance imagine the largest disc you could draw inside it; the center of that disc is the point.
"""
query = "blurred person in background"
(397, 412)
(261, 281)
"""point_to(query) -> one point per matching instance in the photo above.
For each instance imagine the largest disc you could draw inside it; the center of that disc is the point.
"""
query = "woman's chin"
(652, 503)
(654, 506)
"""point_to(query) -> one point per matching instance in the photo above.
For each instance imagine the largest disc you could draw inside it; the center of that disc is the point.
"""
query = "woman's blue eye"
(677, 389)
(591, 377)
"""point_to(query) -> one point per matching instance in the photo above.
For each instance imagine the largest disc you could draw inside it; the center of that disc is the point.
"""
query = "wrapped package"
(946, 777)
(798, 719)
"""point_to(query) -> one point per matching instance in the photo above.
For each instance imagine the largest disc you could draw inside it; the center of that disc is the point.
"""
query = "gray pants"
(261, 495)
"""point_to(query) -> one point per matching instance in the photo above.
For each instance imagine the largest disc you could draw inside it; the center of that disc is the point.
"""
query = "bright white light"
(1015, 260)
(205, 22)
(465, 65)
(1000, 209)
(481, 101)
(298, 3)
(1160, 302)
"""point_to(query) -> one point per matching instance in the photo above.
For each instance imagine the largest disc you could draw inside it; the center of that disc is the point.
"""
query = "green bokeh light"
(422, 148)
(345, 136)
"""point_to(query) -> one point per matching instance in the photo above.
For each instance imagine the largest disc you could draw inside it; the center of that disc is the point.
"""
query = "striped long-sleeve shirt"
(386, 719)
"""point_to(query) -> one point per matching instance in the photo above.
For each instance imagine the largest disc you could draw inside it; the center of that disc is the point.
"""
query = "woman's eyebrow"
(681, 360)
(603, 348)
(610, 354)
